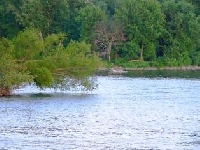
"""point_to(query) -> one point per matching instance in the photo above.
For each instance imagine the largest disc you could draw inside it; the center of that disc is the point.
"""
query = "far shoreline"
(122, 70)
(183, 68)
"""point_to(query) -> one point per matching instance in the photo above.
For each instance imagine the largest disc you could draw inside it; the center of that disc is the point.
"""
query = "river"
(143, 110)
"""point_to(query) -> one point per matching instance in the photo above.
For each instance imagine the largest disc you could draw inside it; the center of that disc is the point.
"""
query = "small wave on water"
(33, 91)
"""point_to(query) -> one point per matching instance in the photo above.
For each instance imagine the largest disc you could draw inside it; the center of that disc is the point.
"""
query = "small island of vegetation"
(60, 44)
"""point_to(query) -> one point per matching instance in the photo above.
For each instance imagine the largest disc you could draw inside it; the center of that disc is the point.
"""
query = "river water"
(137, 111)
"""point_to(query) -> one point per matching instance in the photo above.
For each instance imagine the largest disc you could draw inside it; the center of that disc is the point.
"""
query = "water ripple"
(124, 113)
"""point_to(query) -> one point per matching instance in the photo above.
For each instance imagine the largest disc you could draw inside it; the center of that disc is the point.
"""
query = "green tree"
(73, 27)
(51, 16)
(109, 6)
(181, 41)
(129, 51)
(27, 45)
(9, 27)
(47, 63)
(88, 17)
(143, 22)
(12, 74)
(196, 4)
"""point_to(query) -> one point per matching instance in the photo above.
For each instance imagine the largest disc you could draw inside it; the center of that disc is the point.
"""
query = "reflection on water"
(124, 113)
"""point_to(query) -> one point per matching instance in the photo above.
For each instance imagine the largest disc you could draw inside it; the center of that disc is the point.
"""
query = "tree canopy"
(50, 43)
(45, 62)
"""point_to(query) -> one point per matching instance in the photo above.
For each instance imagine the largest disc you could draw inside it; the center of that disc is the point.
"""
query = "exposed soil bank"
(5, 92)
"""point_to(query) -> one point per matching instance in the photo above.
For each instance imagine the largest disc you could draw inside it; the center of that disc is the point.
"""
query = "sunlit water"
(123, 113)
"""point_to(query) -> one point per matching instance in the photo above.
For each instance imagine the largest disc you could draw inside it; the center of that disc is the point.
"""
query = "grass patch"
(134, 64)
(106, 64)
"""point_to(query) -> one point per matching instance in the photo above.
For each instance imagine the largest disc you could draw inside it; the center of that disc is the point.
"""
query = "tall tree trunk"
(109, 50)
(142, 52)
(41, 36)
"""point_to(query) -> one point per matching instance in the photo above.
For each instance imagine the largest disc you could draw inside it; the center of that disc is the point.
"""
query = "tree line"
(46, 40)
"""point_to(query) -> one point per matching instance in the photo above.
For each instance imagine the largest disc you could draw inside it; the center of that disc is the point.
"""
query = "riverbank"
(165, 68)
(121, 70)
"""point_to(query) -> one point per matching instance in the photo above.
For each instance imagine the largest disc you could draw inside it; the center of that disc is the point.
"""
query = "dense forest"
(45, 41)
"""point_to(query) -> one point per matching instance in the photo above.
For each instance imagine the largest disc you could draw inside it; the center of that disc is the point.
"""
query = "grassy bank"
(144, 65)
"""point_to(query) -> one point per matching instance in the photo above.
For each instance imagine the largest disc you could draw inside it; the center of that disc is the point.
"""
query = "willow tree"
(12, 74)
(45, 62)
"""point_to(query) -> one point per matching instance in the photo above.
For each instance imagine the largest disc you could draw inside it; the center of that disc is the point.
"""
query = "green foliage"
(109, 6)
(82, 62)
(129, 51)
(171, 62)
(12, 74)
(43, 77)
(31, 14)
(88, 17)
(183, 31)
(53, 43)
(73, 27)
(162, 32)
(150, 51)
(140, 19)
(45, 16)
(133, 64)
(75, 67)
(46, 62)
(28, 45)
(9, 26)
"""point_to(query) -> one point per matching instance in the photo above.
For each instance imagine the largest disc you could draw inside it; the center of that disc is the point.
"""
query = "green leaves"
(183, 30)
(31, 14)
(150, 30)
(143, 21)
(28, 45)
(12, 74)
(46, 62)
(46, 16)
(88, 18)
(78, 61)
(42, 77)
